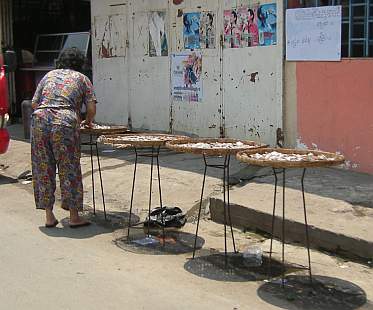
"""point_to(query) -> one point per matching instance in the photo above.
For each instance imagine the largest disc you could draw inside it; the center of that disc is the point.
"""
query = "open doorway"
(36, 52)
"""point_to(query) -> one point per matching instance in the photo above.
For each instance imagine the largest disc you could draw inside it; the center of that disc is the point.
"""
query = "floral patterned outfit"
(55, 142)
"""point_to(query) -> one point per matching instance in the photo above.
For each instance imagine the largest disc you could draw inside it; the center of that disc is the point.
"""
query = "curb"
(251, 219)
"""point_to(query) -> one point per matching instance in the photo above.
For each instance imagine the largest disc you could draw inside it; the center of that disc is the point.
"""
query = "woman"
(252, 29)
(55, 141)
(232, 30)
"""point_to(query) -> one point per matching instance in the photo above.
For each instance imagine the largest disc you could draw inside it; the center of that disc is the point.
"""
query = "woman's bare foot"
(76, 220)
(51, 220)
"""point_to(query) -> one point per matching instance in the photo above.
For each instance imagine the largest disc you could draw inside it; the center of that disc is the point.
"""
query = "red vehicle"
(4, 135)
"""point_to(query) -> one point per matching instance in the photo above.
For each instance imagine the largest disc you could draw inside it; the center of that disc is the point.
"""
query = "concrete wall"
(334, 109)
(242, 88)
(290, 104)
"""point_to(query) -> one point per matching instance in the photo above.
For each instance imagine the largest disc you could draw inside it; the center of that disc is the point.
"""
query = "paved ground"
(95, 268)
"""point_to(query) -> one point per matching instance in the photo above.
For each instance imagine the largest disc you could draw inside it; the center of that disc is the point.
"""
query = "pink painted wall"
(335, 108)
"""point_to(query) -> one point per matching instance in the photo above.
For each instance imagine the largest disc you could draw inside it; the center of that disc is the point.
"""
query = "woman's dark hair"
(71, 58)
(251, 12)
(187, 23)
(235, 16)
(211, 18)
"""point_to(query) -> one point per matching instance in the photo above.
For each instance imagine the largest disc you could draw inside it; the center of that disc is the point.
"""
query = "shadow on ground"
(77, 233)
(325, 293)
(173, 243)
(114, 219)
(7, 180)
(100, 225)
(233, 268)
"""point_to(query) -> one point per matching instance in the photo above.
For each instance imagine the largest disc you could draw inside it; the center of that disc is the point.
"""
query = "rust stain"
(108, 43)
(104, 52)
(105, 49)
(253, 76)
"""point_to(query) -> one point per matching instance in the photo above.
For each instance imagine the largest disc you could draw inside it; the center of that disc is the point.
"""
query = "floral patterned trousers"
(56, 146)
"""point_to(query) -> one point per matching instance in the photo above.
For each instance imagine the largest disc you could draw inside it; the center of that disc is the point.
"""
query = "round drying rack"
(229, 146)
(332, 159)
(139, 140)
(104, 131)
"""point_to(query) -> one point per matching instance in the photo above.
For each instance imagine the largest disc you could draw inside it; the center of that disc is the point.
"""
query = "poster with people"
(207, 30)
(232, 32)
(247, 17)
(158, 45)
(192, 30)
(186, 76)
(267, 24)
(249, 26)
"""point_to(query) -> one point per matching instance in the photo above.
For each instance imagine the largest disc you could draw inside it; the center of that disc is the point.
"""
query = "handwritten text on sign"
(314, 33)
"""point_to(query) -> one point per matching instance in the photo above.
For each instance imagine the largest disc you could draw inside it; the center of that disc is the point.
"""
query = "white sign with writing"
(314, 34)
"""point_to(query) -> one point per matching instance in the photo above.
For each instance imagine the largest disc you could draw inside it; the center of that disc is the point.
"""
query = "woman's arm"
(38, 94)
(90, 102)
(91, 113)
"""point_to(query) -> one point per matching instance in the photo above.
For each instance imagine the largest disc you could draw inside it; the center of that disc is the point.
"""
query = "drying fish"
(277, 156)
(217, 145)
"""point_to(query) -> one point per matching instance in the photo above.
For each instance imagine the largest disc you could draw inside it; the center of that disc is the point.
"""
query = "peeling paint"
(110, 36)
(253, 76)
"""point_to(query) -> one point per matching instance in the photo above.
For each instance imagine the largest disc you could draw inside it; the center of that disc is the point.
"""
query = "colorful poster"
(247, 18)
(232, 32)
(186, 76)
(158, 45)
(267, 24)
(207, 30)
(191, 30)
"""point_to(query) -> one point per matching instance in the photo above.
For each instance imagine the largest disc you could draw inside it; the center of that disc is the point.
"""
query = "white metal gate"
(242, 87)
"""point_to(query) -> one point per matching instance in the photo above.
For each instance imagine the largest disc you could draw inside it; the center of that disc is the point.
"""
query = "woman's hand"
(86, 124)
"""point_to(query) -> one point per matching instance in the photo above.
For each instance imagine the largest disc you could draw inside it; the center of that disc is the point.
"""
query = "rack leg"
(283, 226)
(132, 192)
(160, 195)
(92, 175)
(100, 174)
(225, 208)
(273, 225)
(150, 189)
(229, 206)
(306, 226)
(200, 206)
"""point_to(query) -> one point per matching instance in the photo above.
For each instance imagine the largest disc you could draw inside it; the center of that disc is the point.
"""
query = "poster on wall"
(267, 24)
(191, 30)
(186, 79)
(207, 30)
(241, 27)
(247, 19)
(158, 44)
(232, 32)
(314, 34)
